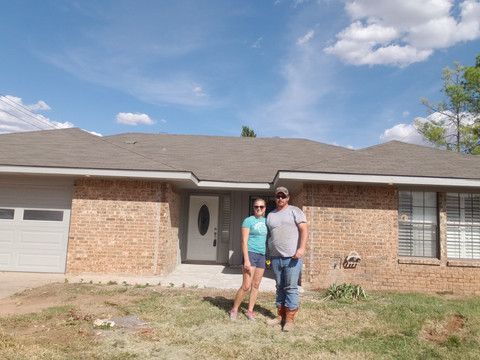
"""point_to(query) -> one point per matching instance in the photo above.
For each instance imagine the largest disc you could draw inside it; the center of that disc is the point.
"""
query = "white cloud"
(40, 105)
(134, 119)
(294, 110)
(258, 43)
(16, 116)
(408, 132)
(306, 38)
(402, 32)
(403, 132)
(198, 91)
(168, 89)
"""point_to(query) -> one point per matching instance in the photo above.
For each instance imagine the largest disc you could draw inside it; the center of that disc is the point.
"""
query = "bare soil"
(440, 331)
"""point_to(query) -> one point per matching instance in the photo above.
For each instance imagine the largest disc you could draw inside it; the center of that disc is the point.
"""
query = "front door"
(202, 228)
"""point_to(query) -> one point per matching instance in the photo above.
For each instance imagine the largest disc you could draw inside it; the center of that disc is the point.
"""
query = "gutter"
(186, 176)
(374, 179)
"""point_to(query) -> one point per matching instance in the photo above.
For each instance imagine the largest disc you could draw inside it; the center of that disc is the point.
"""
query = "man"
(288, 238)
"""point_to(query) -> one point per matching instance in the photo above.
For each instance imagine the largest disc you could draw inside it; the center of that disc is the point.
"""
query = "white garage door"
(34, 224)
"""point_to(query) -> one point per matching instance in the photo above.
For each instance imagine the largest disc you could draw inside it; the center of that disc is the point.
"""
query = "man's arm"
(303, 234)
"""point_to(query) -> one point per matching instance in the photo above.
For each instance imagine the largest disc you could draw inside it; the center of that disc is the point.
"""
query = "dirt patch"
(440, 331)
(89, 298)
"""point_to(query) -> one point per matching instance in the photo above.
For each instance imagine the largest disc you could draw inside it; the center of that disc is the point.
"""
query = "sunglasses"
(281, 196)
(259, 207)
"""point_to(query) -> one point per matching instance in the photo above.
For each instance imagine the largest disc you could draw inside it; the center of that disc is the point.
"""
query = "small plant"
(346, 292)
(112, 282)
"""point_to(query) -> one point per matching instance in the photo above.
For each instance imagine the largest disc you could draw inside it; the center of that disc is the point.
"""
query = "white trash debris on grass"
(103, 323)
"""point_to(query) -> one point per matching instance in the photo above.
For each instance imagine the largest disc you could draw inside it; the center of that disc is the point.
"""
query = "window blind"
(463, 226)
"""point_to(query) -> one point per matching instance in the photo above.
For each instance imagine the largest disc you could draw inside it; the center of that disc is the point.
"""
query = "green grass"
(192, 324)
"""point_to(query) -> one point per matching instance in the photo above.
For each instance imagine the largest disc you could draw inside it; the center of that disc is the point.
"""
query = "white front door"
(202, 228)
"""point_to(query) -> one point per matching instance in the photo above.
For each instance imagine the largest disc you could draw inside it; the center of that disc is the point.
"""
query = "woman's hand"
(247, 267)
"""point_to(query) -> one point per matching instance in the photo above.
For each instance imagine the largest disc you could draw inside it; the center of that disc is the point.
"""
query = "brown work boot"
(280, 319)
(290, 315)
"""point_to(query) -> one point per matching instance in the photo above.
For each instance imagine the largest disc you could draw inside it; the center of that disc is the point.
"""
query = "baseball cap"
(281, 189)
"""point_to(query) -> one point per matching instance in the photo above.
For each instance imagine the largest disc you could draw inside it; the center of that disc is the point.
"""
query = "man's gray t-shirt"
(284, 234)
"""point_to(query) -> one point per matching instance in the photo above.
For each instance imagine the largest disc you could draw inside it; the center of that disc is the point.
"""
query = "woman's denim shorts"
(257, 260)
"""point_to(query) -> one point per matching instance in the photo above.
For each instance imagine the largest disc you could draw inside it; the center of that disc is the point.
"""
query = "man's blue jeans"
(287, 272)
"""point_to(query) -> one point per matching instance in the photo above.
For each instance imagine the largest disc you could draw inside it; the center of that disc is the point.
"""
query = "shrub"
(345, 291)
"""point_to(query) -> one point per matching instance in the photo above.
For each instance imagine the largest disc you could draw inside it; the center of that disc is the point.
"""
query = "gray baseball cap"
(281, 189)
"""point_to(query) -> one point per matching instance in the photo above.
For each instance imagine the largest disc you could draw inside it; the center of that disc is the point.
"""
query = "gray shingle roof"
(234, 159)
(70, 148)
(402, 159)
(229, 158)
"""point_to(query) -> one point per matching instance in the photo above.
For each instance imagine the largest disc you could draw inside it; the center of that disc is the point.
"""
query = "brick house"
(140, 204)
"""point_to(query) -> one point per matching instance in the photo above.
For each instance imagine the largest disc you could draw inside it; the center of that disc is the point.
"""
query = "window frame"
(408, 223)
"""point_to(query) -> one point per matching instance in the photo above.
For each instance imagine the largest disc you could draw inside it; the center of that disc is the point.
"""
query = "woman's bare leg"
(246, 285)
(257, 278)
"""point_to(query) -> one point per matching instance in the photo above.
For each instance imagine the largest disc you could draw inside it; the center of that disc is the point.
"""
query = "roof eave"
(375, 179)
(188, 178)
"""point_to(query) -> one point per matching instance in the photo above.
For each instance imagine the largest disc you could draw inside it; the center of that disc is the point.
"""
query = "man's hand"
(299, 253)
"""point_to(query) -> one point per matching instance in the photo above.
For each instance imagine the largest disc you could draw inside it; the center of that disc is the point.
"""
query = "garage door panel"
(41, 240)
(7, 237)
(5, 258)
(41, 262)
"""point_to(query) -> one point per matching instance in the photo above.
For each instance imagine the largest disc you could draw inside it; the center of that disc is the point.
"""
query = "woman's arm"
(246, 260)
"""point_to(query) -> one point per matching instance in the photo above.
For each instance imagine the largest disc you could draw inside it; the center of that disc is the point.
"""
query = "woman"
(254, 238)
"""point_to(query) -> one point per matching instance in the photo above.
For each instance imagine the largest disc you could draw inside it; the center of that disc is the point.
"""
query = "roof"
(218, 158)
(227, 159)
(70, 148)
(400, 159)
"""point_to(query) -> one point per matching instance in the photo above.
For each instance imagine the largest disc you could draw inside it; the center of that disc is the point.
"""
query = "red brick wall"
(123, 227)
(344, 218)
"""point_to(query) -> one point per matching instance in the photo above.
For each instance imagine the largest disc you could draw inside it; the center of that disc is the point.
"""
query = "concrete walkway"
(185, 275)
(13, 282)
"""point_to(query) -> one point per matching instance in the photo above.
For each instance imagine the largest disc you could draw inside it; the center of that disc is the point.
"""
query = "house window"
(463, 226)
(418, 224)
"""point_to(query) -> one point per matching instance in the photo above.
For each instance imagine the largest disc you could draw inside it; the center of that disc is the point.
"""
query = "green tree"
(247, 132)
(454, 123)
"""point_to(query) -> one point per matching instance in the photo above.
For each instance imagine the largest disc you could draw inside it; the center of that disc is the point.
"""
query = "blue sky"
(348, 72)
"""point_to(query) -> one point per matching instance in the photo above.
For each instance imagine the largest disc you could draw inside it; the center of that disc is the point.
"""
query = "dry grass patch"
(193, 324)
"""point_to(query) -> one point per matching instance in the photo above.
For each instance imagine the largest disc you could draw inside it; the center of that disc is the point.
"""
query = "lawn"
(56, 322)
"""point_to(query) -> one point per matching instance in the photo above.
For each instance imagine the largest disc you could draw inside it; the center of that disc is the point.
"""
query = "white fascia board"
(139, 174)
(376, 179)
(231, 185)
(134, 174)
